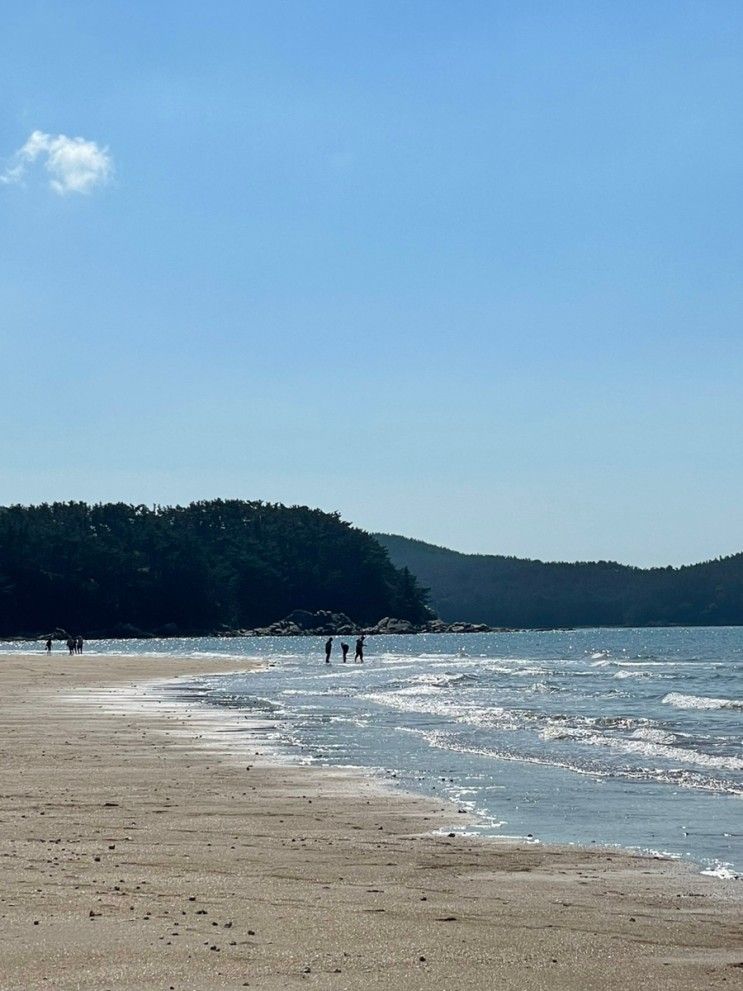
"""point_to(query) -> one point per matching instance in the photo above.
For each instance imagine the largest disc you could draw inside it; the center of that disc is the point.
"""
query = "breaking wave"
(680, 701)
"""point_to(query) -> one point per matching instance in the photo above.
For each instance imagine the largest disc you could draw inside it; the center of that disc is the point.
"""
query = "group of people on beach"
(74, 645)
(358, 656)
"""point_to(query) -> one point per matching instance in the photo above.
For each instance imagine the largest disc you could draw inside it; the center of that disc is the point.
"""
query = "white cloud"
(73, 164)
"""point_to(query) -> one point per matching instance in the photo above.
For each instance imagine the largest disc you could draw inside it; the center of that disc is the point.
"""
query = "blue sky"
(467, 271)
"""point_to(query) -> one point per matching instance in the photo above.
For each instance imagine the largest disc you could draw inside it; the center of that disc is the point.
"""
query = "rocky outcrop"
(302, 622)
(439, 626)
(391, 625)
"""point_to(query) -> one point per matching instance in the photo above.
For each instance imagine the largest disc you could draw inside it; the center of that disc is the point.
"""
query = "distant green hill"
(509, 591)
(116, 568)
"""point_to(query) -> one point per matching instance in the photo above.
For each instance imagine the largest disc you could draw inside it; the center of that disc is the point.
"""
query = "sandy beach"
(138, 854)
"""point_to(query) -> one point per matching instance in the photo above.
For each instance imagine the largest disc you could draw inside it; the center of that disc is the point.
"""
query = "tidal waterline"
(627, 737)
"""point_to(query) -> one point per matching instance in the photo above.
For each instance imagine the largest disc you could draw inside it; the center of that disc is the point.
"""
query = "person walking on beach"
(79, 645)
(49, 646)
(359, 655)
(328, 648)
(344, 651)
(71, 645)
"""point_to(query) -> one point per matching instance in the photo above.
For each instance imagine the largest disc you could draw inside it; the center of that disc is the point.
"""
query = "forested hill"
(192, 569)
(509, 591)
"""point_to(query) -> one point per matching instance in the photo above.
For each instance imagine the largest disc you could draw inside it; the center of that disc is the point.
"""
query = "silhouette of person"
(359, 655)
(71, 645)
(328, 648)
(344, 649)
(79, 645)
(49, 646)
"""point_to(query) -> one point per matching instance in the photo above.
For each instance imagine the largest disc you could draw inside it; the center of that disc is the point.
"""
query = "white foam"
(680, 701)
(724, 872)
(645, 742)
(653, 749)
(438, 680)
(431, 703)
(653, 735)
(558, 732)
(646, 664)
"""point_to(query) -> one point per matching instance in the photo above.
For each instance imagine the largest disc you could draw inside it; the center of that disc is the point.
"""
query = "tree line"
(514, 592)
(115, 568)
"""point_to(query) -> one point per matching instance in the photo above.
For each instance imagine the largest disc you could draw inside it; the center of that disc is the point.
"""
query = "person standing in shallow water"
(328, 648)
(359, 655)
(49, 646)
(344, 651)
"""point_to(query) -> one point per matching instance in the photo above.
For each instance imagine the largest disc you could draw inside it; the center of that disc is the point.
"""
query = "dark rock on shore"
(391, 625)
(439, 626)
(324, 623)
(300, 622)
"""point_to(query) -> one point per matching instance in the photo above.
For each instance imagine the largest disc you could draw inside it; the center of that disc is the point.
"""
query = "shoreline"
(122, 827)
(377, 777)
(446, 628)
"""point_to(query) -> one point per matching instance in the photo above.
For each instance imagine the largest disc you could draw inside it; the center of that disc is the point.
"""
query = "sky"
(469, 272)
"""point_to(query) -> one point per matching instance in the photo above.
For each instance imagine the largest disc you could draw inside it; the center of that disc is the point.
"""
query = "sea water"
(622, 737)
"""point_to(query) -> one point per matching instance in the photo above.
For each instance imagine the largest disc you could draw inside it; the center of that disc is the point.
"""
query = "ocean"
(608, 736)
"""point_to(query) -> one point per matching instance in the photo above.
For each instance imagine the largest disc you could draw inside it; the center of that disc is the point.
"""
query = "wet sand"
(139, 852)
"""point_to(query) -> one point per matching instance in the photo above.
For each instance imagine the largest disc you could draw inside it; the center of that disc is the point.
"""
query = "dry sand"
(136, 855)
